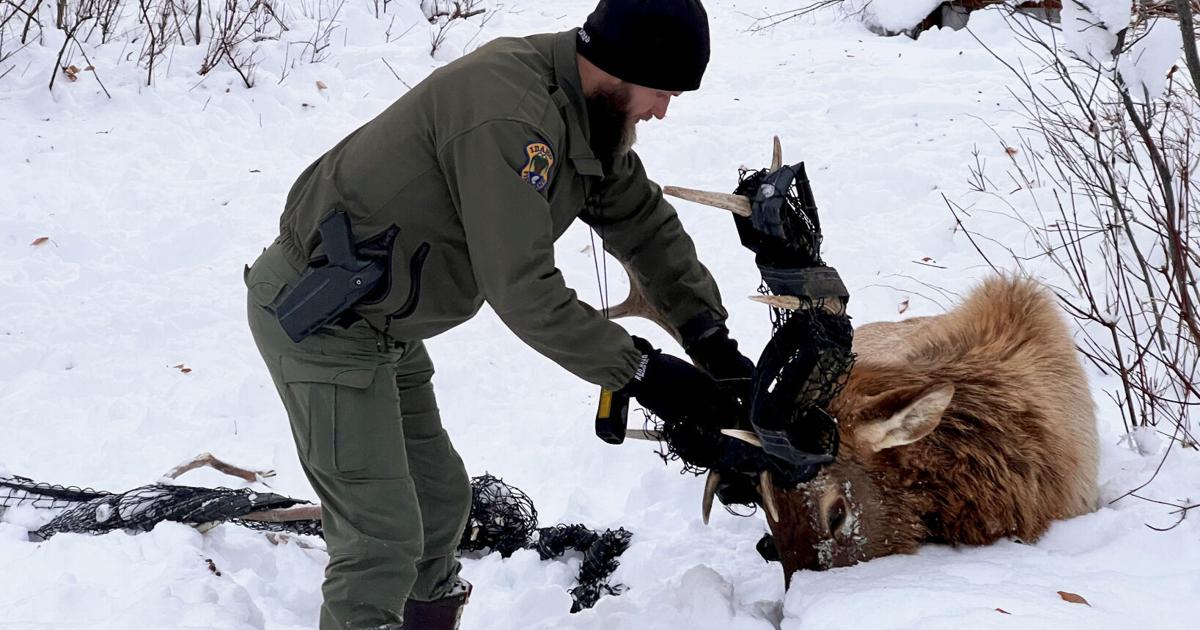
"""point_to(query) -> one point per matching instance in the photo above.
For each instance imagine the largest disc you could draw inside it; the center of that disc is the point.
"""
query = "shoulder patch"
(537, 167)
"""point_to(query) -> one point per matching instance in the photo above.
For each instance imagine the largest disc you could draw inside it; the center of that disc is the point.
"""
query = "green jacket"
(481, 167)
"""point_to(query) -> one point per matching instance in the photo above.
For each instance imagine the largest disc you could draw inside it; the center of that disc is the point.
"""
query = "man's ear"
(921, 412)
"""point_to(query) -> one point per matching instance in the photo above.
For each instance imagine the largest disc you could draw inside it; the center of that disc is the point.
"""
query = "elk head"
(857, 508)
(854, 509)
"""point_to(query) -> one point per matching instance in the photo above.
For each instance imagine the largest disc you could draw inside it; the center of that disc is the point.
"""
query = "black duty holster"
(323, 293)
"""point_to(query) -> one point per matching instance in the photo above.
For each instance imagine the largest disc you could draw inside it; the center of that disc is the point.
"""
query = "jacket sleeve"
(641, 229)
(510, 241)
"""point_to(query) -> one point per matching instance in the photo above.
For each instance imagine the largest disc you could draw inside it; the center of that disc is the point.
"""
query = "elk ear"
(912, 422)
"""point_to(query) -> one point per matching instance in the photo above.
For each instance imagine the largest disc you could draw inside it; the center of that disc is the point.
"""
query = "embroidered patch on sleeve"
(537, 167)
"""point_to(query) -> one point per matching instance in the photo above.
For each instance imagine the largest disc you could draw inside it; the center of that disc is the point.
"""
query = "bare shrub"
(19, 27)
(326, 18)
(444, 14)
(108, 15)
(72, 23)
(1104, 179)
(236, 31)
(230, 31)
(446, 10)
(160, 17)
(775, 19)
(381, 7)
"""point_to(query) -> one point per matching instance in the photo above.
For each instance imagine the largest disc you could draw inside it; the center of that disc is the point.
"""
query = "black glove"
(718, 355)
(692, 407)
(708, 344)
(674, 389)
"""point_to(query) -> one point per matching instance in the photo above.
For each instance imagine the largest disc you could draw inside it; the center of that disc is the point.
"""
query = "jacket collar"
(571, 102)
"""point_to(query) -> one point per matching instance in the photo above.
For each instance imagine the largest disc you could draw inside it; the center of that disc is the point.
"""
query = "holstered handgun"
(324, 293)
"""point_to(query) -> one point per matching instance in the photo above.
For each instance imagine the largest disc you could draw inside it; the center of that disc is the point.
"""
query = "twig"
(70, 37)
(958, 221)
(207, 459)
(394, 73)
(92, 68)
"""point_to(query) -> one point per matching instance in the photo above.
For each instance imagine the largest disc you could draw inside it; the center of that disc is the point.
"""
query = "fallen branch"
(207, 459)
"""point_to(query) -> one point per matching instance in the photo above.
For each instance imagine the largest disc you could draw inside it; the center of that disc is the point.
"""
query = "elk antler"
(736, 204)
(638, 305)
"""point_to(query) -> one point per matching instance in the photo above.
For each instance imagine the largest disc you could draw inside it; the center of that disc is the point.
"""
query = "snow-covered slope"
(154, 199)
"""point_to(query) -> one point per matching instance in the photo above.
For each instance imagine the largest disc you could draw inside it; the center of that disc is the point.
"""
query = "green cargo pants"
(394, 493)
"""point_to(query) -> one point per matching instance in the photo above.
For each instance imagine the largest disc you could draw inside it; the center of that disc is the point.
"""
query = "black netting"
(791, 237)
(94, 512)
(502, 519)
(804, 365)
(600, 551)
(16, 491)
(682, 440)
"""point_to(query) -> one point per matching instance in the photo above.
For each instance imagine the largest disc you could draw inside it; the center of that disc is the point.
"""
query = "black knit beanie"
(659, 44)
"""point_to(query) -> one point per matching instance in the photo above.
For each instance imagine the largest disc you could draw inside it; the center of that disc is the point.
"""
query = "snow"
(1151, 58)
(892, 15)
(153, 201)
(1090, 27)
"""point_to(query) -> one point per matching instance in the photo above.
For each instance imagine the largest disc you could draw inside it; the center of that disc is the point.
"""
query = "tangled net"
(806, 362)
(502, 519)
(88, 511)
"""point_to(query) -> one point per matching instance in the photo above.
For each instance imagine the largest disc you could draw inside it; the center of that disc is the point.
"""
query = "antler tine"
(766, 487)
(736, 204)
(710, 490)
(748, 437)
(792, 303)
(637, 305)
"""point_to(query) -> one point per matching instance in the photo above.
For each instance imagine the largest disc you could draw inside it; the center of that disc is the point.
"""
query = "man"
(457, 193)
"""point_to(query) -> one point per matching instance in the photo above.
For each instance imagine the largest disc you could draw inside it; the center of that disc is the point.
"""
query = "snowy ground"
(153, 201)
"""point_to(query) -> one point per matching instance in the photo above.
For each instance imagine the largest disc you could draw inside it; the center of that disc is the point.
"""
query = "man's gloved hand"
(718, 355)
(672, 389)
(690, 403)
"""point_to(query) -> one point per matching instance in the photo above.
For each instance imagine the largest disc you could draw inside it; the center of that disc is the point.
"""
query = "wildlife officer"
(451, 197)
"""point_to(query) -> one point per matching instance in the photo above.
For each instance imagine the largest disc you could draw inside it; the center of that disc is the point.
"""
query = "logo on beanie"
(537, 168)
(583, 34)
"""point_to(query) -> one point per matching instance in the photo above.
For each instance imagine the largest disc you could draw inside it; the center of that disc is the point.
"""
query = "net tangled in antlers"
(806, 362)
(502, 519)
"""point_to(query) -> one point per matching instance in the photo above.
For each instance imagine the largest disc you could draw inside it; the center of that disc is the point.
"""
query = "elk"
(960, 428)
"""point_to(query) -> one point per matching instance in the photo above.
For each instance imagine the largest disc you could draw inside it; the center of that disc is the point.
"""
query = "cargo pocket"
(346, 417)
(265, 284)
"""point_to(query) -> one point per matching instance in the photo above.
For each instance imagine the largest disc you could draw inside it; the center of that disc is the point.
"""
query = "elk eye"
(837, 515)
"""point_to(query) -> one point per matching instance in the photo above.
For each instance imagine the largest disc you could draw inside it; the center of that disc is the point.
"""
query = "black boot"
(439, 614)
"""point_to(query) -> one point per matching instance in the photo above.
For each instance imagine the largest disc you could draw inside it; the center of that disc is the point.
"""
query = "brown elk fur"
(992, 435)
